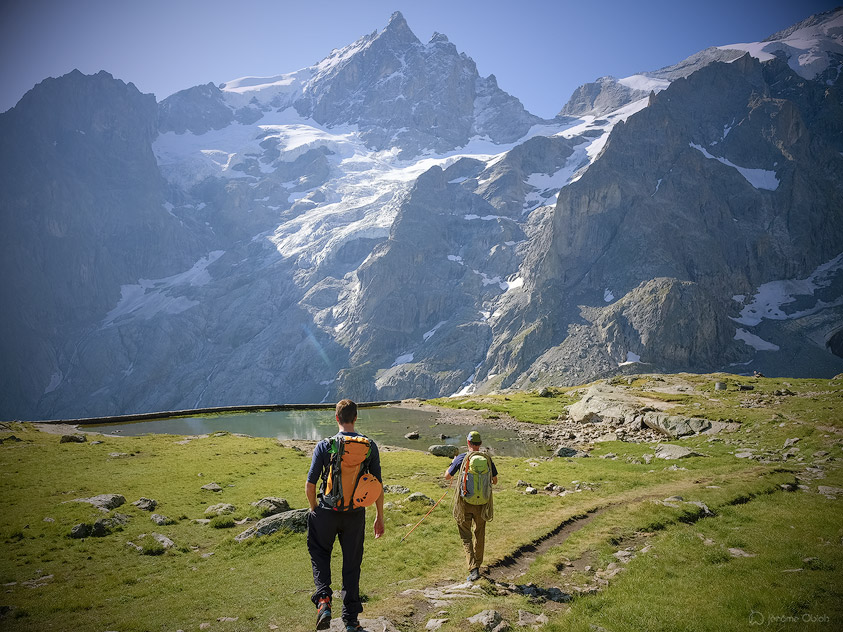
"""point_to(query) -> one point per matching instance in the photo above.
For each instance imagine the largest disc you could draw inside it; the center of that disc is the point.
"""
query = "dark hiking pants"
(323, 526)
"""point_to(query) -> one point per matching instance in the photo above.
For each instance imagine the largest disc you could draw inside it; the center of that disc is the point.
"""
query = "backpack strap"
(335, 450)
(463, 482)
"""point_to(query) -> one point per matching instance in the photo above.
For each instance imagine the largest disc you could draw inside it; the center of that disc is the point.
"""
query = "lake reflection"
(387, 426)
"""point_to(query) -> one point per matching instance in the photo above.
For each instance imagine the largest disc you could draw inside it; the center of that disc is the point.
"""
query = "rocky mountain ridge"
(387, 223)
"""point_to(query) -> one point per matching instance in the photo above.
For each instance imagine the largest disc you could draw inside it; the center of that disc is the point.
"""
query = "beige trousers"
(473, 551)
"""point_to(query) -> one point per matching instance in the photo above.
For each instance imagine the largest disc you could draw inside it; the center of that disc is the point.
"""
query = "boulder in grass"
(488, 619)
(418, 497)
(212, 487)
(566, 452)
(270, 505)
(81, 530)
(294, 520)
(449, 451)
(221, 509)
(668, 451)
(101, 528)
(103, 501)
(73, 438)
(145, 504)
(395, 489)
(161, 520)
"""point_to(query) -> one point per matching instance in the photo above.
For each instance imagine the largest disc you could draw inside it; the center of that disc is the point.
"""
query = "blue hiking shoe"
(353, 626)
(323, 613)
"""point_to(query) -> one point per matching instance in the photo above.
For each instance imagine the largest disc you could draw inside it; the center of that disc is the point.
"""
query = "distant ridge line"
(198, 411)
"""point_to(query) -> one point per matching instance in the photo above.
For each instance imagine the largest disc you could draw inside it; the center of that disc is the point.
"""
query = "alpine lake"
(386, 425)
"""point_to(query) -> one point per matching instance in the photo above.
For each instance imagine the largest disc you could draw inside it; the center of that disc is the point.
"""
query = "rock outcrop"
(449, 451)
(294, 520)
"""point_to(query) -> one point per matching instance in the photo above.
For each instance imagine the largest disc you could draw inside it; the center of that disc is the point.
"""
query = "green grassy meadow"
(686, 579)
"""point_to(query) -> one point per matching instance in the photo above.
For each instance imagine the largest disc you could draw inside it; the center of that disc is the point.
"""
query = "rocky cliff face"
(416, 96)
(688, 206)
(387, 223)
(83, 213)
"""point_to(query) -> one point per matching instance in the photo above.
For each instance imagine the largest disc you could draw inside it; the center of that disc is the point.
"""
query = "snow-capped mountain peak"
(388, 223)
(812, 47)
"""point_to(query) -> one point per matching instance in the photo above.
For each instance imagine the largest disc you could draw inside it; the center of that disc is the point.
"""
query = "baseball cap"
(474, 437)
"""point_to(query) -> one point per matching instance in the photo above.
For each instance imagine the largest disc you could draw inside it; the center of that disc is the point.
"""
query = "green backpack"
(476, 487)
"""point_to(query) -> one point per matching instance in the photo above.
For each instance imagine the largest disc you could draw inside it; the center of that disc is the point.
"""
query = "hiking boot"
(323, 613)
(353, 626)
(474, 575)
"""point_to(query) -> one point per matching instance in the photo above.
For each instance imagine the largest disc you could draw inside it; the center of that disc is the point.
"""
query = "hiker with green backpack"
(473, 499)
(350, 469)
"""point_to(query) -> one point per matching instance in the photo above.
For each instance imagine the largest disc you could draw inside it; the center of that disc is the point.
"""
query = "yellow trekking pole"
(428, 513)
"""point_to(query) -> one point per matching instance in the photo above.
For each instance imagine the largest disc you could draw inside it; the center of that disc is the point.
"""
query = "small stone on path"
(487, 618)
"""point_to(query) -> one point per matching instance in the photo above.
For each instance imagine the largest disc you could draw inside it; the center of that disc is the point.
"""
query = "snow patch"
(510, 284)
(809, 50)
(55, 380)
(770, 298)
(608, 296)
(428, 334)
(754, 341)
(468, 387)
(403, 359)
(514, 284)
(758, 178)
(154, 296)
(631, 358)
(644, 83)
(547, 186)
(484, 218)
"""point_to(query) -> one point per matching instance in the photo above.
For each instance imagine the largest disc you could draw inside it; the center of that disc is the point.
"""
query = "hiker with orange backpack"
(473, 499)
(349, 465)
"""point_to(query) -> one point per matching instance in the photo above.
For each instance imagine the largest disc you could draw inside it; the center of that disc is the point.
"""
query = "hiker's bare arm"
(494, 480)
(448, 476)
(310, 492)
(379, 526)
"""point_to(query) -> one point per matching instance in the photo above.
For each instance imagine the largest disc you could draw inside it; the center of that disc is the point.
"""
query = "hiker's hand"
(379, 528)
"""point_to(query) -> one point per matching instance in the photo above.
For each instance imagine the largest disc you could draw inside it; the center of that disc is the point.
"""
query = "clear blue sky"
(539, 50)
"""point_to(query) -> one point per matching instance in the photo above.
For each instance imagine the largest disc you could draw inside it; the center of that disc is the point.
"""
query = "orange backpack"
(347, 483)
